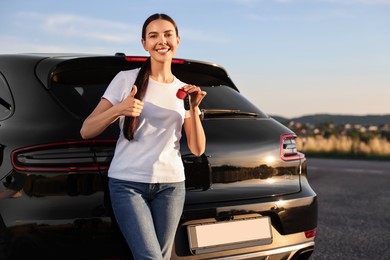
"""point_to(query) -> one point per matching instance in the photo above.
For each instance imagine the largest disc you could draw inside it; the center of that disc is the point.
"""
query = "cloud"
(64, 32)
(251, 3)
(309, 16)
(269, 18)
(18, 45)
(357, 2)
(194, 35)
(247, 2)
(284, 1)
(81, 27)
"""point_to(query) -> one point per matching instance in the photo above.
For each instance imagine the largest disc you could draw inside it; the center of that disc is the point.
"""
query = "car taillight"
(143, 59)
(288, 148)
(139, 59)
(72, 156)
(310, 233)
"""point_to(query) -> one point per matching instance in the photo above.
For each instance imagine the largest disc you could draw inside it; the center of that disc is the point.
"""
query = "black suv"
(248, 195)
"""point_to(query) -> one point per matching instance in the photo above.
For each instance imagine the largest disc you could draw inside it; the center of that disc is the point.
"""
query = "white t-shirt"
(153, 156)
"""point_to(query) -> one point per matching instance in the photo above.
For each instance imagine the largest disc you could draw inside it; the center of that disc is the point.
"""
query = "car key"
(181, 94)
(187, 102)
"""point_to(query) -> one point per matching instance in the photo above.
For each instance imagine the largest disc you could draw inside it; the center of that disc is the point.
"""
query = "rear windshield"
(6, 101)
(79, 84)
(226, 98)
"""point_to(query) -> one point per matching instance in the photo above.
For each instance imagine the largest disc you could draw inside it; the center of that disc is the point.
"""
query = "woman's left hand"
(196, 94)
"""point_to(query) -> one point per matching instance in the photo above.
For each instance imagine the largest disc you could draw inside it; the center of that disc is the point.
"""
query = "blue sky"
(289, 57)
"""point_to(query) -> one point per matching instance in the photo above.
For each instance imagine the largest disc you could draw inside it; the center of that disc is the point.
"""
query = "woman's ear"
(143, 44)
(178, 40)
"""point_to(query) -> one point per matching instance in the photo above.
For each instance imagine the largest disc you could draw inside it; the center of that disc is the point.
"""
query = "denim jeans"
(148, 215)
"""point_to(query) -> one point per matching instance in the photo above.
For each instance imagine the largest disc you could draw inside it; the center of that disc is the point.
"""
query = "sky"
(289, 57)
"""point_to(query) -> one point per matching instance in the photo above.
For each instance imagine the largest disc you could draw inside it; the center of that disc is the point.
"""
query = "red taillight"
(178, 61)
(143, 59)
(72, 156)
(310, 233)
(139, 59)
(288, 148)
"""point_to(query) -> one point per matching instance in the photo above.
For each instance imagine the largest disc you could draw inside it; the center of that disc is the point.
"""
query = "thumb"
(133, 91)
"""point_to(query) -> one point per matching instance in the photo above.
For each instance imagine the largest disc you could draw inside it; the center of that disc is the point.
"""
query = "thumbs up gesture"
(132, 106)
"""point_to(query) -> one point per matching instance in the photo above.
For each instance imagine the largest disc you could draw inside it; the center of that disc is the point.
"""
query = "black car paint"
(67, 214)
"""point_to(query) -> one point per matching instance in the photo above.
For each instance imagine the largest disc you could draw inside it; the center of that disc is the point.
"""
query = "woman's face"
(161, 40)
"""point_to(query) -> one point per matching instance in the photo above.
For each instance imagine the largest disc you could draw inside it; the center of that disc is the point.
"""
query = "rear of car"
(248, 196)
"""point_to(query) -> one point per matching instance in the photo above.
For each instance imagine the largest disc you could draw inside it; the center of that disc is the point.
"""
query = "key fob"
(186, 101)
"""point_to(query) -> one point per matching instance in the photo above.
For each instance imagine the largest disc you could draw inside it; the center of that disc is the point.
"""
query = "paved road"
(354, 208)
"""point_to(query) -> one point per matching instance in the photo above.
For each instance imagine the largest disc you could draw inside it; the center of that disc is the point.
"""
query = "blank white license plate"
(212, 237)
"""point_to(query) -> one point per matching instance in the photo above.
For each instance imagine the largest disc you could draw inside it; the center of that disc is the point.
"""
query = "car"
(248, 196)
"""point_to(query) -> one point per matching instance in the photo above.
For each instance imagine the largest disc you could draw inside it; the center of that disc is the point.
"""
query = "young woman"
(146, 176)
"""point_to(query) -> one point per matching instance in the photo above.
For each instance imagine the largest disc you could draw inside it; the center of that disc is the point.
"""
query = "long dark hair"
(142, 80)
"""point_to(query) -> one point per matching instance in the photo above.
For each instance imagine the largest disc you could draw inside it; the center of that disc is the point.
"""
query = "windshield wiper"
(5, 104)
(223, 112)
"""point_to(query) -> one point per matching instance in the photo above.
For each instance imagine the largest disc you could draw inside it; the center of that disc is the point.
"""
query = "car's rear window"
(226, 98)
(80, 99)
(6, 101)
(79, 84)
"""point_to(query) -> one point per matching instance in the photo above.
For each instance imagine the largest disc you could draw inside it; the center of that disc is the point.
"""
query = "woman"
(146, 176)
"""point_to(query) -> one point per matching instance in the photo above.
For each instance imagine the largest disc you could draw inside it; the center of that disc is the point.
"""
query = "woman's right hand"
(132, 106)
(105, 114)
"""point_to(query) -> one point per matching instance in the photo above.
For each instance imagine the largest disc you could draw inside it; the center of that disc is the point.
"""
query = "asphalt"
(354, 208)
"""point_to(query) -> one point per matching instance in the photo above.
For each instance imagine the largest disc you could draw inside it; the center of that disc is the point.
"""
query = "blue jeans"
(148, 215)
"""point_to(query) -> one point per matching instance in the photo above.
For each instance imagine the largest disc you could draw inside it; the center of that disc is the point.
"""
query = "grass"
(344, 147)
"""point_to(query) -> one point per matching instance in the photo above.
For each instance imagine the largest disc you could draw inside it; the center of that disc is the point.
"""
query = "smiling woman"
(147, 187)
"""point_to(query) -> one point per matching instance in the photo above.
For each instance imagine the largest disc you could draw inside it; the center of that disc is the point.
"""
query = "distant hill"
(337, 119)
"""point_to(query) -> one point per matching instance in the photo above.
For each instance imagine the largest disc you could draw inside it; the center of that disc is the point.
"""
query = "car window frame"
(6, 99)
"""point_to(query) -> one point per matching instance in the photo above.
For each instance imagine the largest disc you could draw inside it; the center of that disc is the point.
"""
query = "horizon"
(290, 58)
(327, 114)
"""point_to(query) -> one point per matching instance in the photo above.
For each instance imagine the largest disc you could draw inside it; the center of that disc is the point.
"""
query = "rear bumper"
(294, 246)
(288, 252)
(290, 217)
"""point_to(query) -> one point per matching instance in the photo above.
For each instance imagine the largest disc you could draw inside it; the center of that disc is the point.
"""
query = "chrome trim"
(267, 252)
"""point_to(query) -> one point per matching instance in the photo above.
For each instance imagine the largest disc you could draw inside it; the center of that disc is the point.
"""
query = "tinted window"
(80, 99)
(6, 103)
(79, 84)
(223, 97)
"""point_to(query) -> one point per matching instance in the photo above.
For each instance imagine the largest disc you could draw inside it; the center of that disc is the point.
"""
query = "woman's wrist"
(195, 109)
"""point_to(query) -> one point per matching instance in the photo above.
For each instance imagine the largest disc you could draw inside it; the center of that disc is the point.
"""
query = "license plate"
(217, 236)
